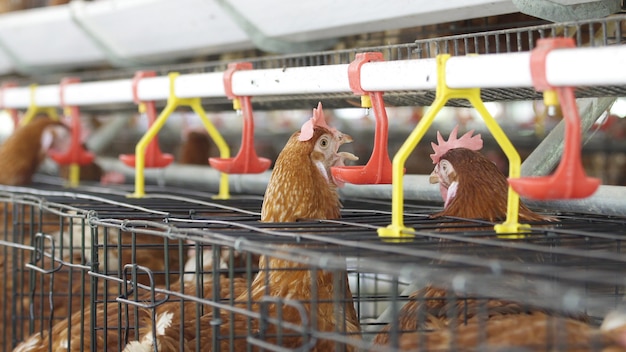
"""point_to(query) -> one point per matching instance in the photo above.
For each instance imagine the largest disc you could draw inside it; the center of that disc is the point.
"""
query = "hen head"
(444, 172)
(471, 186)
(302, 185)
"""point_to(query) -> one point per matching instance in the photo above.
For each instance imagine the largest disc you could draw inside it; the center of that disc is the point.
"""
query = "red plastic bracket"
(154, 157)
(569, 179)
(378, 169)
(76, 153)
(246, 161)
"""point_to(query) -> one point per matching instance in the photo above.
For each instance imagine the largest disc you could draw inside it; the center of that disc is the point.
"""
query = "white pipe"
(118, 91)
(18, 97)
(200, 85)
(565, 67)
(399, 75)
(153, 88)
(48, 95)
(292, 80)
(587, 66)
(489, 71)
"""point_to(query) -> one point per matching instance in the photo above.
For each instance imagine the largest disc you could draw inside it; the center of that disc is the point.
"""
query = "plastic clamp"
(569, 180)
(246, 161)
(154, 157)
(378, 169)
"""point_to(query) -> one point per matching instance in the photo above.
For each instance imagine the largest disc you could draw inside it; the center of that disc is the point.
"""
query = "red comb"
(466, 141)
(306, 132)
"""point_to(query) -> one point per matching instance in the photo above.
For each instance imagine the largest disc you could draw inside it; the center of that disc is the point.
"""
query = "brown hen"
(471, 185)
(75, 334)
(533, 332)
(149, 253)
(25, 149)
(301, 187)
(433, 308)
(195, 149)
(20, 156)
(472, 188)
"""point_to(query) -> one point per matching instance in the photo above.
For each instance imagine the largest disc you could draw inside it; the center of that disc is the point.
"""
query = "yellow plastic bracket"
(366, 101)
(236, 104)
(33, 109)
(174, 102)
(550, 98)
(396, 229)
(74, 176)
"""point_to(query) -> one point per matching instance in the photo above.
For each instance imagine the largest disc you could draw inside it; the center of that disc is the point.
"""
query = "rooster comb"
(318, 120)
(466, 141)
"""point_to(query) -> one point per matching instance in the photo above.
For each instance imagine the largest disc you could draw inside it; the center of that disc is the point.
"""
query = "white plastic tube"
(399, 75)
(18, 97)
(489, 71)
(292, 80)
(104, 92)
(587, 66)
(200, 85)
(565, 67)
(48, 95)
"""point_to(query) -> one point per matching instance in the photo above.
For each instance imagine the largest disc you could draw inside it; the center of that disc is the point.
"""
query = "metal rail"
(608, 200)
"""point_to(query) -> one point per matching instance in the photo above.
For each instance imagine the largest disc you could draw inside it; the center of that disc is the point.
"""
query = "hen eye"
(445, 166)
(324, 142)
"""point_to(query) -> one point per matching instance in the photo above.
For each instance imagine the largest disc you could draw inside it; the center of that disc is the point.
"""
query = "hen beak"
(433, 178)
(345, 138)
(342, 156)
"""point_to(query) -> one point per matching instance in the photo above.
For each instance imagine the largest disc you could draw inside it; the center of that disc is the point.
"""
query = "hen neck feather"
(297, 189)
(20, 154)
(482, 189)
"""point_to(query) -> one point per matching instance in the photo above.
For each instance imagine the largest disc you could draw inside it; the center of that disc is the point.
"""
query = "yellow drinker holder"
(511, 227)
(34, 109)
(173, 102)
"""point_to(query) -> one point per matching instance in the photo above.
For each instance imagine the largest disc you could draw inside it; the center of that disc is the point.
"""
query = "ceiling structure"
(134, 33)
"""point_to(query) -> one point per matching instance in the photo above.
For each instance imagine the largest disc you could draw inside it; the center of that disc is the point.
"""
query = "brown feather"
(535, 332)
(433, 306)
(148, 253)
(20, 154)
(81, 321)
(481, 194)
(296, 190)
(482, 189)
(22, 222)
(195, 149)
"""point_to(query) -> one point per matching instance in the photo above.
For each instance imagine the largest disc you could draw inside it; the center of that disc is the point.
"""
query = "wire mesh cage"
(141, 274)
(178, 270)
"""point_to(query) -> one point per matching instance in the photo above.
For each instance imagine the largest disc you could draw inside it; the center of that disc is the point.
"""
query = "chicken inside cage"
(190, 258)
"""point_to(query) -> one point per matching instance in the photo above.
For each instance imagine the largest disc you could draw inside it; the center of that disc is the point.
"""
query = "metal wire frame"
(572, 266)
(600, 32)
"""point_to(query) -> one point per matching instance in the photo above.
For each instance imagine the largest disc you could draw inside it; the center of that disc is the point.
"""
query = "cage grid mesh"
(90, 269)
(116, 265)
